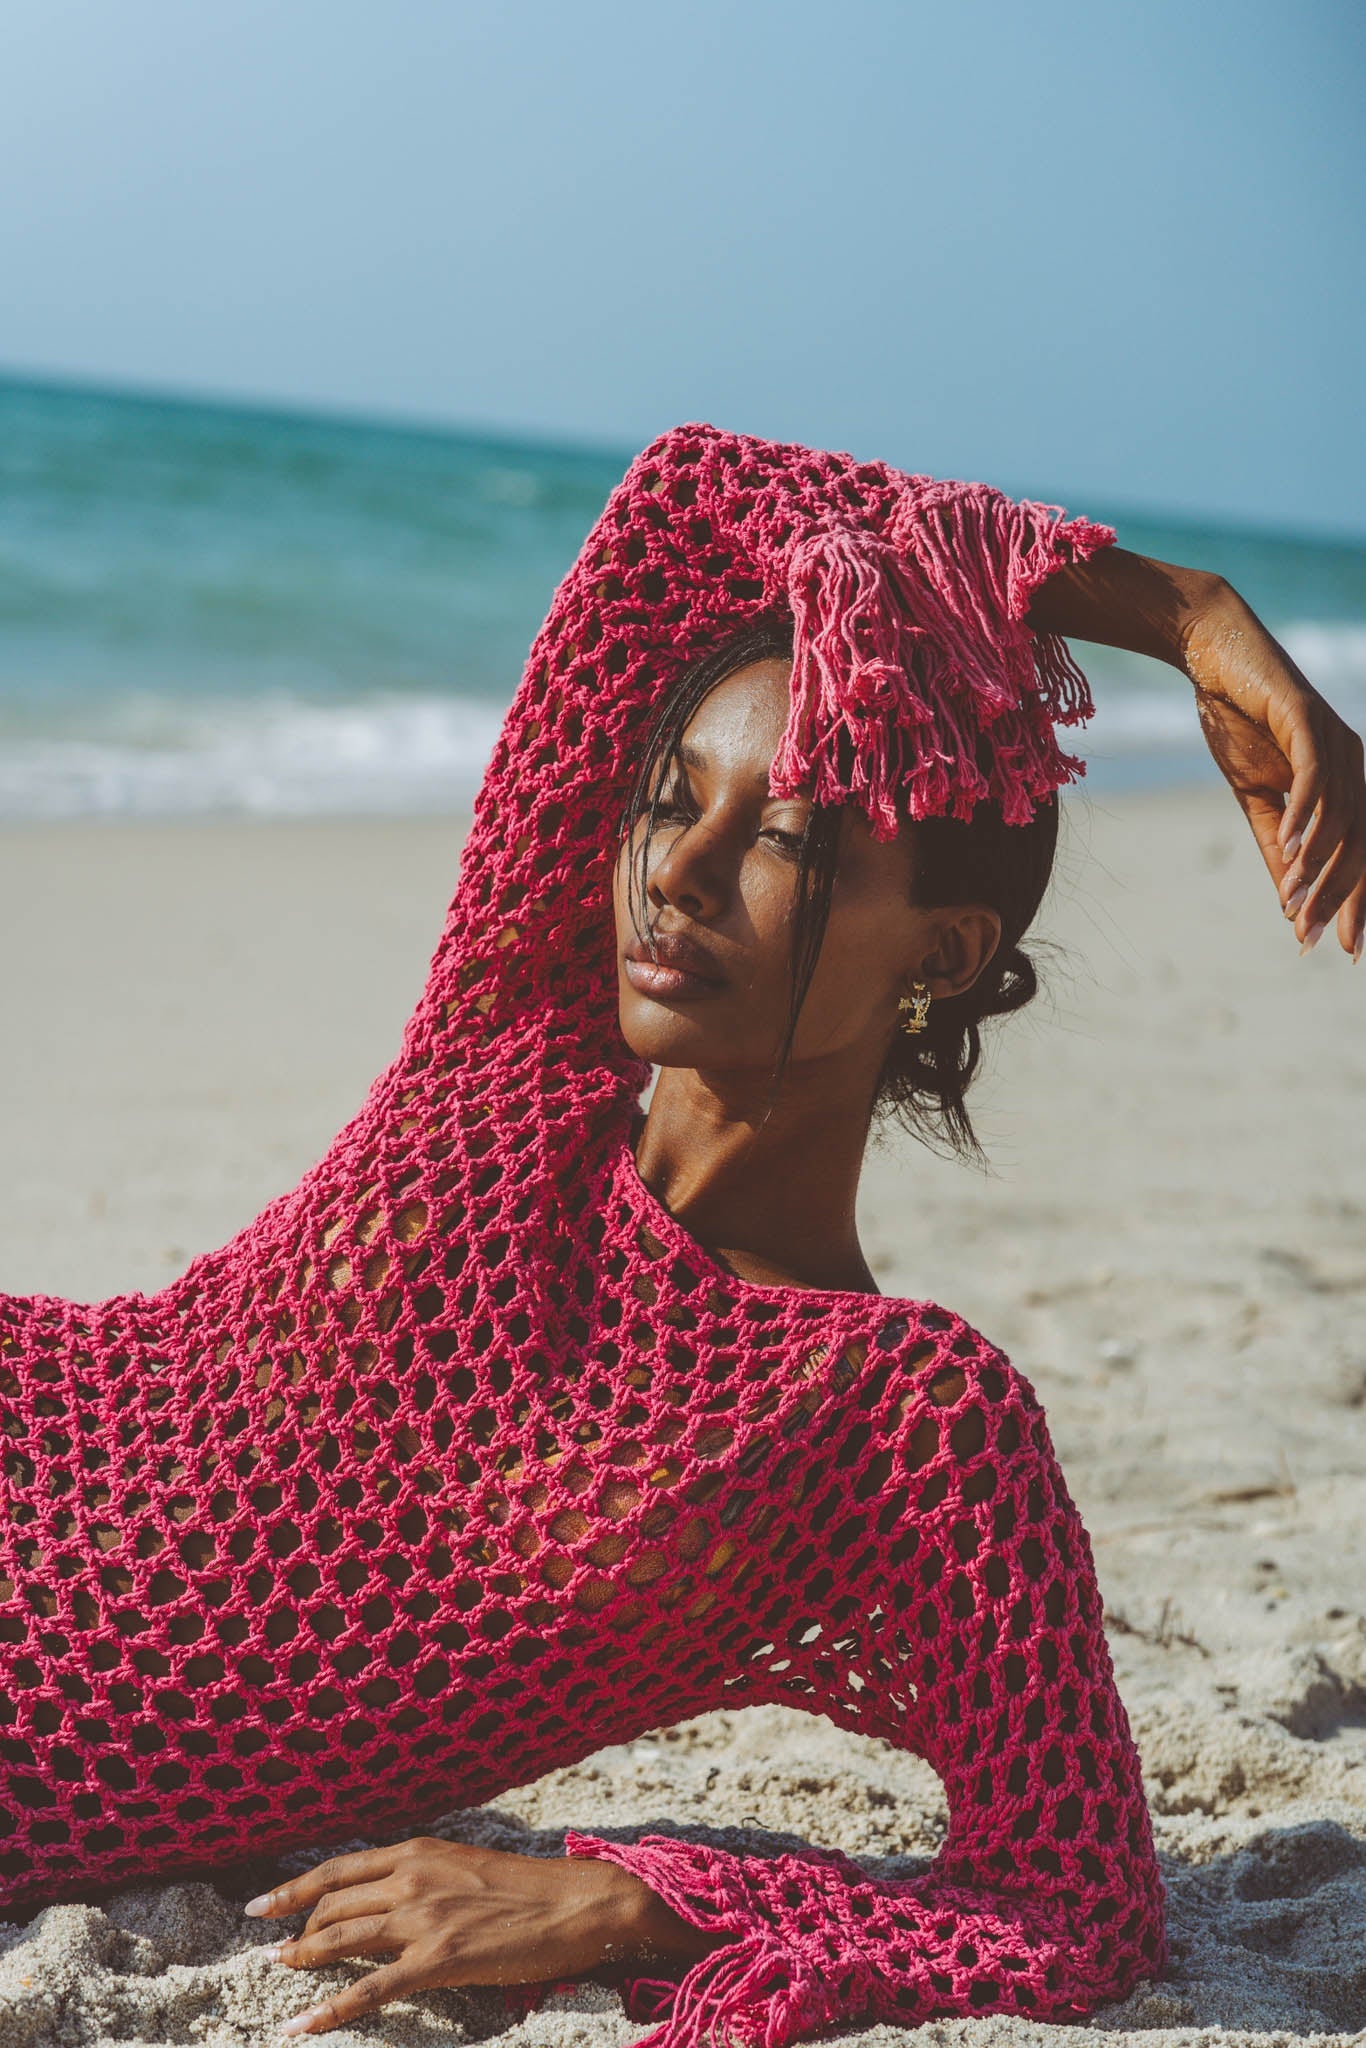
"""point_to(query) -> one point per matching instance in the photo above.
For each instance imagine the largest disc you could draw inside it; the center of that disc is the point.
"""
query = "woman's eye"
(791, 842)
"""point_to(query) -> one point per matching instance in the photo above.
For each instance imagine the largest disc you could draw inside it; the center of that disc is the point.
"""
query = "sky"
(1111, 253)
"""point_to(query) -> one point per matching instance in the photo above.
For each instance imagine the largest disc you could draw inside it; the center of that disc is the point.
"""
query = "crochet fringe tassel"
(759, 1991)
(907, 695)
(777, 1992)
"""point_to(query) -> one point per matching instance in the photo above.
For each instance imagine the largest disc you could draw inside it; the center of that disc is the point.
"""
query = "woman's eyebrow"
(696, 757)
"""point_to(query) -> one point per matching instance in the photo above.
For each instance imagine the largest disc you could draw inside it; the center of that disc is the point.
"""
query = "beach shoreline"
(1171, 1246)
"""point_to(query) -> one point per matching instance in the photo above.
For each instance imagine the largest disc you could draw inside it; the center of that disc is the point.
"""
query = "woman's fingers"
(1352, 922)
(1336, 884)
(1321, 834)
(1318, 748)
(352, 1902)
(1304, 792)
(1330, 823)
(366, 1995)
(1322, 829)
(301, 1894)
(1329, 882)
(367, 1934)
(1263, 814)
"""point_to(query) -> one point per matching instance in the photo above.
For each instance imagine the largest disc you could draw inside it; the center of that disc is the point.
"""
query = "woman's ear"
(963, 943)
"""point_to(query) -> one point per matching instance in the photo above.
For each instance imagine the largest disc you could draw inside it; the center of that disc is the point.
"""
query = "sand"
(1172, 1246)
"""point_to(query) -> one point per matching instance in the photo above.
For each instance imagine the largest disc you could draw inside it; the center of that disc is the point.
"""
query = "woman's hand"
(452, 1914)
(1293, 764)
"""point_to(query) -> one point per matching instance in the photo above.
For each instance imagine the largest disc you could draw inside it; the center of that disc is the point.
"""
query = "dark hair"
(925, 1078)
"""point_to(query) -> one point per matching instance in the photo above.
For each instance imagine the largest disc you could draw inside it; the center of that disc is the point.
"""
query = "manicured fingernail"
(1293, 902)
(256, 1909)
(273, 1953)
(1292, 845)
(1316, 932)
(301, 2024)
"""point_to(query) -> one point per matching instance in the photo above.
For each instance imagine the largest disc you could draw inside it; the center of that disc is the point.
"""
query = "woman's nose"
(691, 873)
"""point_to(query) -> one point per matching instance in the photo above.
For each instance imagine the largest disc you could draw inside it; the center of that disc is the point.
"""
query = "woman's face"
(721, 890)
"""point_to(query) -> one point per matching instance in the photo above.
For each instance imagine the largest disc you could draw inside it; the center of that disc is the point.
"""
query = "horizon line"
(427, 426)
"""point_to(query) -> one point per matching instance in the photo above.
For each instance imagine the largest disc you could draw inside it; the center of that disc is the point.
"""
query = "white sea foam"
(271, 758)
(1334, 659)
(155, 754)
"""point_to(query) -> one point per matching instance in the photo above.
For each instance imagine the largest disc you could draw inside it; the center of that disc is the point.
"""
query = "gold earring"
(918, 1004)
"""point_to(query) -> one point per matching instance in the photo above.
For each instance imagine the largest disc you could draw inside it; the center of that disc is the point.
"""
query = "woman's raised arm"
(706, 531)
(1294, 765)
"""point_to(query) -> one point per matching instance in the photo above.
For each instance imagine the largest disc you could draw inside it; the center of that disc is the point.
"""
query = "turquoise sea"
(206, 608)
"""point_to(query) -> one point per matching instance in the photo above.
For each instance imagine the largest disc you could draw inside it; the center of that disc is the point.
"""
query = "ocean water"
(207, 608)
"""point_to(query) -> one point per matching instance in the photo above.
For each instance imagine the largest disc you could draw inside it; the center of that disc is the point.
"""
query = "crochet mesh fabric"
(464, 1459)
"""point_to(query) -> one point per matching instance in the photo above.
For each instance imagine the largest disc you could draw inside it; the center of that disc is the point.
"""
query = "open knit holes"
(670, 1464)
(876, 1462)
(237, 1579)
(934, 1427)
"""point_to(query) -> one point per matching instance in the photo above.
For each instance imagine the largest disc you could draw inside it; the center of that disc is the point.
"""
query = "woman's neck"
(771, 1195)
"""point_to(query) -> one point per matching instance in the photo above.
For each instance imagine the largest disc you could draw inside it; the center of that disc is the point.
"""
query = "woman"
(526, 1423)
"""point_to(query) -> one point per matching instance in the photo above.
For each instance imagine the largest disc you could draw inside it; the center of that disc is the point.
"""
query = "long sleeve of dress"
(901, 587)
(977, 1645)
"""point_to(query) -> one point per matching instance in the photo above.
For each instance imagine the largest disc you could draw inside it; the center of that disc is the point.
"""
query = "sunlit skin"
(770, 1187)
(772, 1192)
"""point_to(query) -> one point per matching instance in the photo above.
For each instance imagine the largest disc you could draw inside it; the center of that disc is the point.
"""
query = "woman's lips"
(671, 965)
(653, 978)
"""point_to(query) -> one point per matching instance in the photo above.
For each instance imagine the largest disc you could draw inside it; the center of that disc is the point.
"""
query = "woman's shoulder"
(939, 1394)
(920, 1342)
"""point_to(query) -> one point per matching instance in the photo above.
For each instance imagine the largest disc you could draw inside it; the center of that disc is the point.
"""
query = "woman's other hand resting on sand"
(449, 1913)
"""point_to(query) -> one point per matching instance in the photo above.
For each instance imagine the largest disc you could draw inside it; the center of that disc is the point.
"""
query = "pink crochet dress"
(464, 1459)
